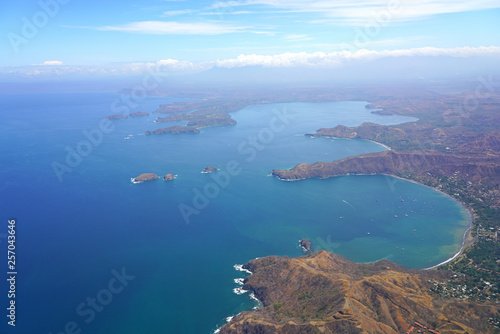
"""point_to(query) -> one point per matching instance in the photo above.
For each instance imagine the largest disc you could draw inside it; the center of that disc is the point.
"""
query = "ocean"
(98, 254)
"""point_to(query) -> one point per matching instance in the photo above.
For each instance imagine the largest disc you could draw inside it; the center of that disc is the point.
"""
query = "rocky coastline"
(325, 293)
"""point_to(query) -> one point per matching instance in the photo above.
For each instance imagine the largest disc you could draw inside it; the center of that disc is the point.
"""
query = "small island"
(169, 177)
(209, 169)
(139, 114)
(145, 177)
(176, 129)
(305, 245)
(116, 117)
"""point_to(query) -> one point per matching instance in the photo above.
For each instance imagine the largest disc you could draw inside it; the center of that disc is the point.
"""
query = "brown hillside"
(325, 293)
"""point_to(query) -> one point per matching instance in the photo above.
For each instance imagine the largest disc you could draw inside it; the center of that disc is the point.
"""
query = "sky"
(71, 36)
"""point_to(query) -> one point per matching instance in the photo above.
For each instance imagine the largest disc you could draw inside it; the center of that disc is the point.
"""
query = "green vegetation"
(478, 274)
(304, 296)
(478, 268)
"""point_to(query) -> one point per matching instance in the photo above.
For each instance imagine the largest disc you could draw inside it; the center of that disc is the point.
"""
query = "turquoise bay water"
(73, 234)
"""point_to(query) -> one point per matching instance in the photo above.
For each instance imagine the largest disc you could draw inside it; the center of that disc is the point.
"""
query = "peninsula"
(405, 164)
(325, 293)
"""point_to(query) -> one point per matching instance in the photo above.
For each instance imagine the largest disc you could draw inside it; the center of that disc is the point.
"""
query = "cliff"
(173, 130)
(325, 293)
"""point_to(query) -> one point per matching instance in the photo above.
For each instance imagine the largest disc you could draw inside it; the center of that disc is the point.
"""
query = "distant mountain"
(381, 70)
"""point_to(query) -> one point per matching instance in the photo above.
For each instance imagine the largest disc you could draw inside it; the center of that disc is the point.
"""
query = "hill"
(325, 293)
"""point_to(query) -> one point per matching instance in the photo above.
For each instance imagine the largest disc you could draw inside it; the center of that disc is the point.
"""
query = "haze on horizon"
(248, 40)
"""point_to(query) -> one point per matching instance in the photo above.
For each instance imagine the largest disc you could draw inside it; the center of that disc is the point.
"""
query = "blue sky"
(109, 33)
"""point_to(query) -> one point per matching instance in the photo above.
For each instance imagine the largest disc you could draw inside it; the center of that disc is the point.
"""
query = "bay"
(77, 231)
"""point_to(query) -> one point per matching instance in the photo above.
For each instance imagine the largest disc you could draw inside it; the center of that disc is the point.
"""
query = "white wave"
(228, 319)
(252, 296)
(239, 291)
(239, 281)
(239, 267)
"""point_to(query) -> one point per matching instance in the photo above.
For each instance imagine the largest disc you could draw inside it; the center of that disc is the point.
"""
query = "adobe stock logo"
(248, 149)
(92, 305)
(84, 148)
(32, 26)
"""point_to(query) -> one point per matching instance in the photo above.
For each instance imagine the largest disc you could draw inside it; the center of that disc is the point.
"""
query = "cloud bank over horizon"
(316, 60)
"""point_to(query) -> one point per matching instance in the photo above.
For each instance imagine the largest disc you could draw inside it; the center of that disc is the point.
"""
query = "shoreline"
(376, 142)
(467, 241)
(465, 237)
(388, 148)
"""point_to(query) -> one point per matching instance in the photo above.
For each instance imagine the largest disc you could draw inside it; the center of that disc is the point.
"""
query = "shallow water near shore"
(74, 235)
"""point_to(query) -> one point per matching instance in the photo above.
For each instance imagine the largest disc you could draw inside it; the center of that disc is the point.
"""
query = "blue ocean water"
(100, 254)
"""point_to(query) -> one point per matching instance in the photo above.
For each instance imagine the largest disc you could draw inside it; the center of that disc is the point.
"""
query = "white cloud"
(359, 11)
(284, 60)
(323, 59)
(297, 37)
(179, 12)
(174, 28)
(239, 12)
(167, 65)
(52, 63)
